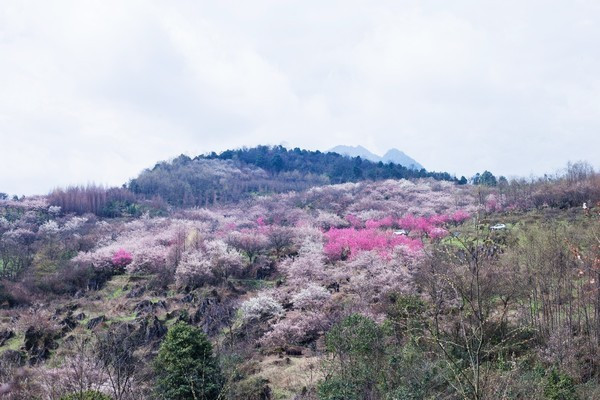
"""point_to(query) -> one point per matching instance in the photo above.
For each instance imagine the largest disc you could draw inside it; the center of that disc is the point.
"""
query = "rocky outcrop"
(212, 314)
(94, 322)
(148, 307)
(151, 329)
(68, 323)
(5, 336)
(39, 342)
(136, 291)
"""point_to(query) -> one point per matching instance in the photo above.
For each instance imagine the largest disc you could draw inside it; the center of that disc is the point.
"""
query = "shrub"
(254, 388)
(186, 366)
(87, 395)
(337, 388)
(406, 314)
(14, 294)
(559, 386)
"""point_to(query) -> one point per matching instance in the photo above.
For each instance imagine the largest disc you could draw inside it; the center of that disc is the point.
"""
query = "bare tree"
(115, 353)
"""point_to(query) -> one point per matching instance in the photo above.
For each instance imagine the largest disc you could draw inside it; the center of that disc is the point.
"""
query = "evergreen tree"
(186, 366)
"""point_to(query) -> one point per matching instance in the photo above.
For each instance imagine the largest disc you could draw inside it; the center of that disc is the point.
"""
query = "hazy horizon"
(96, 92)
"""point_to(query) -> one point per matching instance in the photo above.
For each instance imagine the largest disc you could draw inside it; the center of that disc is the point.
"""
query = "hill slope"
(234, 174)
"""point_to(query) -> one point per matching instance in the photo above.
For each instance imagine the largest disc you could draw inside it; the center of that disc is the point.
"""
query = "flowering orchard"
(376, 234)
(347, 242)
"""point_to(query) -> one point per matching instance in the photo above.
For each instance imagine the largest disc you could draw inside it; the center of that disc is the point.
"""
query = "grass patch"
(253, 284)
(288, 376)
(116, 287)
(13, 343)
(117, 293)
(122, 318)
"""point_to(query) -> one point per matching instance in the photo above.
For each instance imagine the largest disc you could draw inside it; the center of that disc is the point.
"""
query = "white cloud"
(98, 90)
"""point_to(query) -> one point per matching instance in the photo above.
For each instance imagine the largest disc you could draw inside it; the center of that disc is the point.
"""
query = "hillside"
(407, 276)
(235, 174)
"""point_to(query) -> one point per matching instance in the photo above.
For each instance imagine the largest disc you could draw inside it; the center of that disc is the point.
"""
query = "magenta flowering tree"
(354, 220)
(121, 258)
(460, 216)
(387, 222)
(346, 243)
(408, 222)
(423, 225)
(439, 219)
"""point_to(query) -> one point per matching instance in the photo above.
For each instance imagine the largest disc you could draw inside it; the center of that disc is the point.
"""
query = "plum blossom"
(74, 223)
(311, 298)
(194, 270)
(297, 328)
(49, 227)
(260, 308)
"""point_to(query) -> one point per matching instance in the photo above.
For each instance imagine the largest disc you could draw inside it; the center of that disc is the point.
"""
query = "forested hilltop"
(234, 174)
(269, 273)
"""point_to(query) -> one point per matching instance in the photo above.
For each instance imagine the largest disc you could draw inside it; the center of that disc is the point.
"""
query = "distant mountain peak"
(355, 151)
(391, 156)
(399, 157)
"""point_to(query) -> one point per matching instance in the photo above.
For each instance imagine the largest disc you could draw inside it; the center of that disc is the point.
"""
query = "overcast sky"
(96, 91)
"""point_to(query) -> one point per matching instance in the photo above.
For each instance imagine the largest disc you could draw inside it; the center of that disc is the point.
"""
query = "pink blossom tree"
(460, 216)
(122, 258)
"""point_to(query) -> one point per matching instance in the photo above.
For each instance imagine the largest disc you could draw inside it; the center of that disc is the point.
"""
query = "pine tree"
(186, 366)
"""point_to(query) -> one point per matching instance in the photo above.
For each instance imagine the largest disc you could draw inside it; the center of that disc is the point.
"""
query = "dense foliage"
(337, 168)
(87, 395)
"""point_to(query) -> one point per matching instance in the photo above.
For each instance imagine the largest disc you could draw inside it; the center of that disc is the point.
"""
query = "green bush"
(337, 388)
(186, 367)
(406, 316)
(559, 386)
(87, 395)
(254, 388)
